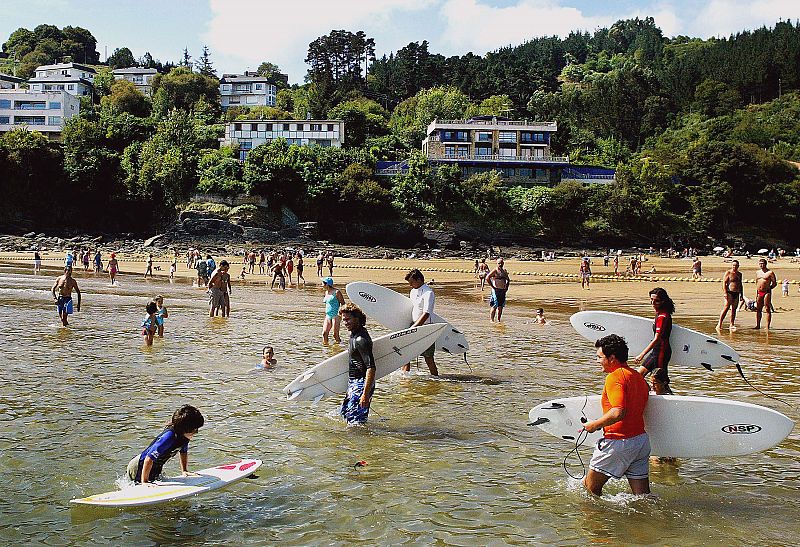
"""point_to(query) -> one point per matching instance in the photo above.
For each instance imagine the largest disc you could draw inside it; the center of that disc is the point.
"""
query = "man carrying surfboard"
(624, 450)
(423, 299)
(361, 370)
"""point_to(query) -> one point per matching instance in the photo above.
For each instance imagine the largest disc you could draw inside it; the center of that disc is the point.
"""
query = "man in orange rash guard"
(624, 449)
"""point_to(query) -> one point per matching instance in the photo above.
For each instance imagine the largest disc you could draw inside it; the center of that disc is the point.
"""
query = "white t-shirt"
(423, 301)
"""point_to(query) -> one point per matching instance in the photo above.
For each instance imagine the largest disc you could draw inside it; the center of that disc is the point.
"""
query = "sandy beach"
(552, 285)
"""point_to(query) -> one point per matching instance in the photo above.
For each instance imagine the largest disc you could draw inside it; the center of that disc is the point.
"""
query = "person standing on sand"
(624, 450)
(98, 262)
(585, 271)
(697, 268)
(37, 262)
(499, 281)
(299, 262)
(732, 289)
(65, 284)
(616, 265)
(423, 300)
(320, 261)
(149, 269)
(361, 370)
(329, 260)
(483, 271)
(765, 282)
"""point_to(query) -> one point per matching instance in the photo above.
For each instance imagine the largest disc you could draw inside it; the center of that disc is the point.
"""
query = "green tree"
(219, 171)
(182, 88)
(204, 64)
(103, 82)
(121, 58)
(124, 97)
(363, 119)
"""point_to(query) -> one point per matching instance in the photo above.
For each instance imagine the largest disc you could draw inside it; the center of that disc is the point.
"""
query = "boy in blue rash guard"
(147, 466)
(361, 374)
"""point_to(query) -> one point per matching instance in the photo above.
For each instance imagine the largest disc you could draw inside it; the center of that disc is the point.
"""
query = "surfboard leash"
(579, 440)
(739, 368)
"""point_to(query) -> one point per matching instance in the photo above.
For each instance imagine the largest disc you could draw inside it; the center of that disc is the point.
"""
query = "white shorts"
(619, 458)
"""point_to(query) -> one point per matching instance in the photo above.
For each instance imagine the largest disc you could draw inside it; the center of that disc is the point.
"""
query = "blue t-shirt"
(164, 447)
(211, 266)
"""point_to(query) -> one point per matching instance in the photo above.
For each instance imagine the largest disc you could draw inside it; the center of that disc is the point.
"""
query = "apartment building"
(246, 89)
(10, 82)
(43, 111)
(140, 77)
(248, 134)
(70, 77)
(518, 149)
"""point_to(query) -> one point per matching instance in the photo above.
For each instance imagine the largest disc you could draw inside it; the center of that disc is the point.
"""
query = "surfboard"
(391, 352)
(689, 347)
(678, 426)
(174, 488)
(393, 310)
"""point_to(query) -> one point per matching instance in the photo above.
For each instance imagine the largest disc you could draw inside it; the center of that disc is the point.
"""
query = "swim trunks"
(64, 303)
(216, 297)
(351, 410)
(619, 458)
(498, 299)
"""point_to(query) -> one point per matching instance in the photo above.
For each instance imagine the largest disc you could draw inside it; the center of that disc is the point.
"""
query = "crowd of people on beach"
(624, 450)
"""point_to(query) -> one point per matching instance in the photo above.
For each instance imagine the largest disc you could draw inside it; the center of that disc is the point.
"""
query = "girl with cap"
(333, 299)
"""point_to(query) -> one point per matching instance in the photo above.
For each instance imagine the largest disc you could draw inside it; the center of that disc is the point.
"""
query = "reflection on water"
(449, 460)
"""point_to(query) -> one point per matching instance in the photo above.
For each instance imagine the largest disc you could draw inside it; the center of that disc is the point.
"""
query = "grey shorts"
(619, 458)
(430, 351)
(216, 297)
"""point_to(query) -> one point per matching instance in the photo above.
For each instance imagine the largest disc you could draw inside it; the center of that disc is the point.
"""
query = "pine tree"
(204, 65)
(187, 59)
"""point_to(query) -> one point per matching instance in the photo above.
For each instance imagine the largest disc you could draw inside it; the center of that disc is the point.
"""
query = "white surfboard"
(678, 426)
(391, 352)
(689, 347)
(393, 310)
(174, 488)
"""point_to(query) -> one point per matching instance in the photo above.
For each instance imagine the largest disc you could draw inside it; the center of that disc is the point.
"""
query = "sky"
(242, 33)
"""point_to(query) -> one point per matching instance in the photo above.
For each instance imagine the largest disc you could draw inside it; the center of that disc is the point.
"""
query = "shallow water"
(450, 460)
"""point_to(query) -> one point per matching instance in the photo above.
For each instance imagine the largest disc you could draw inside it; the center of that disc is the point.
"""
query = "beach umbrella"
(718, 248)
(760, 251)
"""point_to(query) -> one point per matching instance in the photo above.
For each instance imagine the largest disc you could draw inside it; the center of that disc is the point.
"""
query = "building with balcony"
(247, 134)
(10, 82)
(519, 150)
(43, 111)
(140, 77)
(246, 89)
(73, 78)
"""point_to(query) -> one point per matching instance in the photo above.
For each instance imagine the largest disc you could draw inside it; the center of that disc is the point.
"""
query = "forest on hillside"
(702, 134)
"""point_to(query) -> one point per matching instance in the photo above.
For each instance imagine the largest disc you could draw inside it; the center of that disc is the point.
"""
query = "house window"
(259, 86)
(245, 145)
(226, 87)
(526, 172)
(5, 120)
(5, 103)
(55, 106)
(508, 152)
(483, 151)
(484, 137)
(269, 127)
(71, 87)
(234, 100)
(237, 127)
(253, 127)
(286, 127)
(509, 171)
(54, 120)
(316, 127)
(330, 127)
(508, 136)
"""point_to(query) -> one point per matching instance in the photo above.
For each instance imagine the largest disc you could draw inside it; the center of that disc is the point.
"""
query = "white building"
(10, 82)
(43, 111)
(70, 77)
(140, 77)
(248, 134)
(246, 89)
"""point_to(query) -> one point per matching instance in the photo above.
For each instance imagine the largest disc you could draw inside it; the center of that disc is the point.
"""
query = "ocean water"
(449, 460)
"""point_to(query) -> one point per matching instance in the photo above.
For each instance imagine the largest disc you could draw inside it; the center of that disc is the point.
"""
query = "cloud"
(253, 31)
(476, 26)
(725, 17)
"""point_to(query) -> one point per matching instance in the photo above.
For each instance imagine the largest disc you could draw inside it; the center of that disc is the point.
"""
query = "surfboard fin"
(553, 406)
(295, 394)
(706, 366)
(728, 357)
(307, 376)
(444, 349)
(318, 398)
(539, 421)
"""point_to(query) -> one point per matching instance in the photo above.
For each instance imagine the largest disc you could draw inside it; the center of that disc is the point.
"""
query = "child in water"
(161, 314)
(147, 466)
(267, 358)
(659, 382)
(540, 317)
(149, 324)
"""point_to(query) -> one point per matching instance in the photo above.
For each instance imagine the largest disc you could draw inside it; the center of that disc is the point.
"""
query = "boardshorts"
(216, 297)
(351, 410)
(619, 458)
(498, 299)
(64, 304)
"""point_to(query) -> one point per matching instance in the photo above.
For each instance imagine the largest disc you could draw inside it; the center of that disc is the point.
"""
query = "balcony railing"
(496, 122)
(499, 158)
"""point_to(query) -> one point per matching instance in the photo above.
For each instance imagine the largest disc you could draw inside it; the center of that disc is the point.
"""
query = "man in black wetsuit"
(361, 377)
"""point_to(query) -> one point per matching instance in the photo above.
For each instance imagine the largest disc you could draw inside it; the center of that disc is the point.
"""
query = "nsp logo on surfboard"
(741, 429)
(594, 326)
(367, 296)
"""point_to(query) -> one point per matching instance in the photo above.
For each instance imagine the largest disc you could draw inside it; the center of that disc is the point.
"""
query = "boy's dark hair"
(415, 274)
(660, 375)
(615, 345)
(355, 311)
(667, 304)
(208, 256)
(223, 263)
(186, 419)
(152, 307)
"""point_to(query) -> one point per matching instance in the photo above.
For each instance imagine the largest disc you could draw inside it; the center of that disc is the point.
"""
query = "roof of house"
(66, 65)
(135, 70)
(10, 78)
